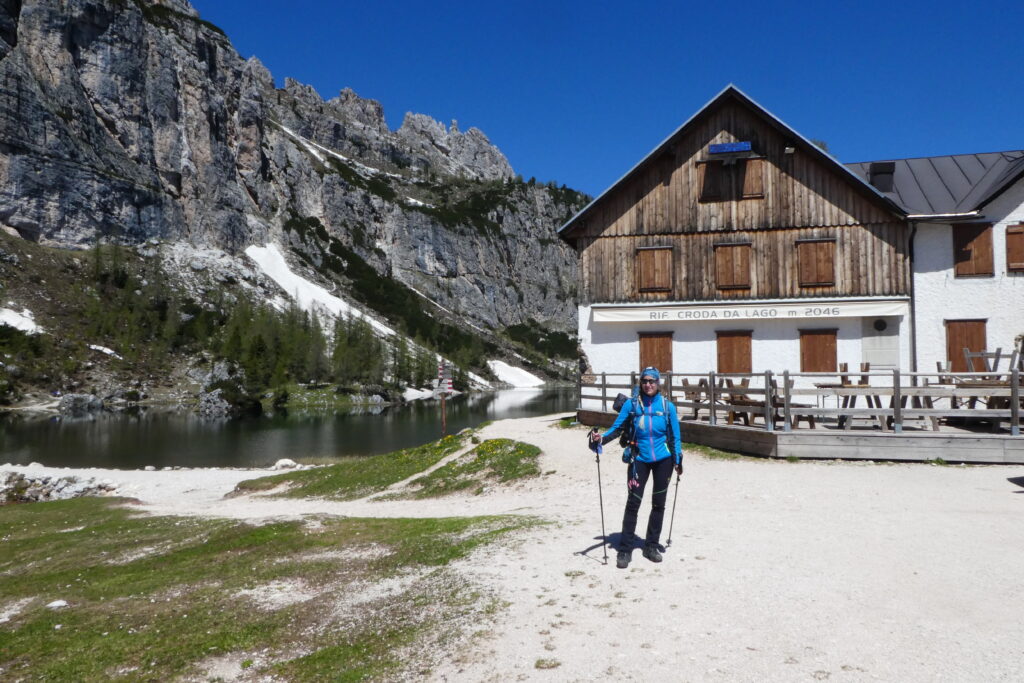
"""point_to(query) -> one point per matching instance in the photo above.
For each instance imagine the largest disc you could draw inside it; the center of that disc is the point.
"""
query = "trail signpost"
(443, 389)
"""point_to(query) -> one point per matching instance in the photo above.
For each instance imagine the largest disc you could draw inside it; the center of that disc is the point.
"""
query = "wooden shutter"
(753, 178)
(816, 259)
(656, 350)
(734, 351)
(818, 350)
(654, 269)
(1015, 248)
(972, 249)
(960, 335)
(732, 266)
(712, 186)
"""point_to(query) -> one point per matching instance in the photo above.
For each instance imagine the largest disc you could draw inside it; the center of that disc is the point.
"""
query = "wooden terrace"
(961, 417)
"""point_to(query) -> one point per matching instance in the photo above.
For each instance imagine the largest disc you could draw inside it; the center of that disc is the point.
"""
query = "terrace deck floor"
(974, 443)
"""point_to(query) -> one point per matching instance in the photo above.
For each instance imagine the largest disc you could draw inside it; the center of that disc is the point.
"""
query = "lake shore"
(777, 570)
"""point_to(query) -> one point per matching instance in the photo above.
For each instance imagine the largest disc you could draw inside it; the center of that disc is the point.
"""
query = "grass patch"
(567, 422)
(356, 477)
(499, 460)
(150, 598)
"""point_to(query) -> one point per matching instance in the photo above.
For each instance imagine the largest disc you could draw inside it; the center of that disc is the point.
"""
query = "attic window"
(880, 174)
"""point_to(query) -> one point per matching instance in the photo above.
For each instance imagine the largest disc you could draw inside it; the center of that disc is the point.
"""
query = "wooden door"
(818, 350)
(734, 351)
(961, 334)
(656, 351)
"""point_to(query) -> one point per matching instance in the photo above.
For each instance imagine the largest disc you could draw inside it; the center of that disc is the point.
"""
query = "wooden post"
(712, 418)
(668, 385)
(604, 391)
(579, 389)
(1015, 402)
(769, 402)
(632, 382)
(787, 425)
(897, 403)
(444, 417)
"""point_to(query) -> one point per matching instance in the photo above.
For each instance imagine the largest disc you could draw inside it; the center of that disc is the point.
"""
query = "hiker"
(655, 447)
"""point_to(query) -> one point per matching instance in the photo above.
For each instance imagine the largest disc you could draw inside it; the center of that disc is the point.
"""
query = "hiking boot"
(622, 560)
(652, 554)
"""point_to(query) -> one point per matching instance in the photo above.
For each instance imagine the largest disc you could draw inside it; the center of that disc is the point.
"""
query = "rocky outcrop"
(135, 119)
(16, 487)
(79, 405)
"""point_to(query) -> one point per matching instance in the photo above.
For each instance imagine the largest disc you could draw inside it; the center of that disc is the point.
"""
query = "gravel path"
(777, 572)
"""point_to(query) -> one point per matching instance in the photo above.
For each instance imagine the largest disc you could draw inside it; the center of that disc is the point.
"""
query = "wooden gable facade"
(780, 221)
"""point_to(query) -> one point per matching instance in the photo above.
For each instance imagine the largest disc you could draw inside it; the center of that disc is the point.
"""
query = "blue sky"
(578, 92)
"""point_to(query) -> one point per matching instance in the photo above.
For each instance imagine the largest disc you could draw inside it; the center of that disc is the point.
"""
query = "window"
(732, 266)
(753, 178)
(656, 350)
(712, 181)
(816, 262)
(734, 350)
(654, 269)
(818, 350)
(723, 179)
(1015, 248)
(972, 250)
(960, 335)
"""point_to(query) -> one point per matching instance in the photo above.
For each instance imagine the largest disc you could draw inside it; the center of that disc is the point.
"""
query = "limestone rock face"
(132, 120)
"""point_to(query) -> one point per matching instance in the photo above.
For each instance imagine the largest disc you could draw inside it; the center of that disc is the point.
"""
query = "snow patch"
(104, 349)
(517, 377)
(318, 151)
(23, 321)
(416, 202)
(411, 394)
(307, 294)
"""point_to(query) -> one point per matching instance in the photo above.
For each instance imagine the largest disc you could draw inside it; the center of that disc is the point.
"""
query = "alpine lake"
(179, 438)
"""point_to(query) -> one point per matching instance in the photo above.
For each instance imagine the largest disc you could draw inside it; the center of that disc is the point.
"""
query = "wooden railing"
(780, 400)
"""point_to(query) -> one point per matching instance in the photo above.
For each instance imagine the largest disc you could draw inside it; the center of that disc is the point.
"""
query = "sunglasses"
(648, 381)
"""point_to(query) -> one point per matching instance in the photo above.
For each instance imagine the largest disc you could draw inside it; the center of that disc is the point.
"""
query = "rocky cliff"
(127, 120)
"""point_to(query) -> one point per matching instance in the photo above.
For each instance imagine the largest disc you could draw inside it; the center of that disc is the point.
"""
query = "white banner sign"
(788, 311)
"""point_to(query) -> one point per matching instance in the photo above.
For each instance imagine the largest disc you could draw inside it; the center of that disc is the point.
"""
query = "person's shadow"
(613, 542)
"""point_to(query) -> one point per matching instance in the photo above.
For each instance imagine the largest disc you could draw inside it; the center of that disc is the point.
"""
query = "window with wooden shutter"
(713, 181)
(732, 266)
(1015, 248)
(816, 261)
(972, 250)
(734, 350)
(654, 269)
(818, 350)
(656, 350)
(960, 335)
(753, 178)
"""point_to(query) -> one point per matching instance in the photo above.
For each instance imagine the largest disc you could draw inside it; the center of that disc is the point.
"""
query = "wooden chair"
(740, 398)
(798, 411)
(989, 360)
(692, 393)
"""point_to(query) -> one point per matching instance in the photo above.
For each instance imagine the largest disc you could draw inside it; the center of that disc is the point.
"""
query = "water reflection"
(162, 438)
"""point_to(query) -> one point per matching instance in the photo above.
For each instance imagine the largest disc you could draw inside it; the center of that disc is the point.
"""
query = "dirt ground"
(777, 571)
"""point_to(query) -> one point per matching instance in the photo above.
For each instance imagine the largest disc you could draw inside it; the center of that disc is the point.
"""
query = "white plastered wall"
(614, 347)
(939, 296)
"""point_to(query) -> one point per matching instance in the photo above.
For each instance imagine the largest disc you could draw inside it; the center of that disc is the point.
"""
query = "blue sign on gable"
(726, 147)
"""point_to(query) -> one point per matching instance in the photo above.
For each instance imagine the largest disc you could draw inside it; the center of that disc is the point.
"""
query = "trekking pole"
(672, 523)
(596, 447)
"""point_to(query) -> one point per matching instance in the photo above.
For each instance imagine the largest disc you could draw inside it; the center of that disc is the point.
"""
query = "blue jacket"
(655, 428)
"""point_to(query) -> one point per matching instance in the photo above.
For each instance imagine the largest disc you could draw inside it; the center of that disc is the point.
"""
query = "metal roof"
(957, 183)
(732, 91)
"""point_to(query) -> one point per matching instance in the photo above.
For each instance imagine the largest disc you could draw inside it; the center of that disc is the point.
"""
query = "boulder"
(79, 405)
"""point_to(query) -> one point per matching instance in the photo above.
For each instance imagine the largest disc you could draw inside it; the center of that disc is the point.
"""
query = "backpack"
(626, 439)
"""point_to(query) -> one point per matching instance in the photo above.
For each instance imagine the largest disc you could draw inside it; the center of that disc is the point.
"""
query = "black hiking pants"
(662, 470)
